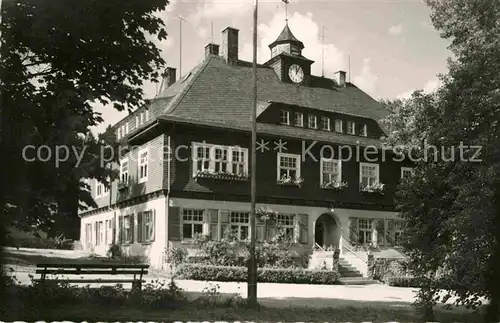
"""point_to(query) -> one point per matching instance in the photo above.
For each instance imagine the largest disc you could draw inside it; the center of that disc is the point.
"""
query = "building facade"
(184, 167)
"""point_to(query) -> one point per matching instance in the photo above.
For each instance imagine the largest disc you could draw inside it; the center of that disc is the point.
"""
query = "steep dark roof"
(286, 36)
(220, 94)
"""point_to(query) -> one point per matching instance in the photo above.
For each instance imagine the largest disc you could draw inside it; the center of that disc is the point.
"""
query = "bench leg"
(137, 286)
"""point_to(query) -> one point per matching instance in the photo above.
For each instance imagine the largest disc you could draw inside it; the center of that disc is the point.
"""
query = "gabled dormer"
(287, 60)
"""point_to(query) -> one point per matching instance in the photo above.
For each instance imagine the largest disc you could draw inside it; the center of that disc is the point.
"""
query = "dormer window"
(364, 131)
(313, 121)
(338, 126)
(325, 123)
(351, 128)
(285, 117)
(299, 119)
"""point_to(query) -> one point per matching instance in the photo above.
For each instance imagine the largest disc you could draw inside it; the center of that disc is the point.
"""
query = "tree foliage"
(58, 58)
(452, 203)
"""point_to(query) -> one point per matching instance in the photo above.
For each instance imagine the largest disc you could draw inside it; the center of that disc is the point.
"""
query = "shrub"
(155, 295)
(271, 254)
(404, 281)
(213, 298)
(49, 293)
(268, 275)
(115, 251)
(104, 295)
(225, 252)
(384, 268)
(174, 256)
(230, 252)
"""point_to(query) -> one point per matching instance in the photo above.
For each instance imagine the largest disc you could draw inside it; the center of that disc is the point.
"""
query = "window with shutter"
(272, 231)
(380, 227)
(390, 232)
(174, 223)
(353, 228)
(213, 215)
(120, 229)
(224, 220)
(146, 226)
(304, 228)
(140, 232)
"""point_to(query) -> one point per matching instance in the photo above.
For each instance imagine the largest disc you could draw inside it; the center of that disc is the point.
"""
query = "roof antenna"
(323, 52)
(286, 10)
(212, 31)
(349, 70)
(180, 44)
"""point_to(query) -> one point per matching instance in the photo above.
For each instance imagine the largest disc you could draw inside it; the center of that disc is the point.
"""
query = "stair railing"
(348, 246)
(318, 247)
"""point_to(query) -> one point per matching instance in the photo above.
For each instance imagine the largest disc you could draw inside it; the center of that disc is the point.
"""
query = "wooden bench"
(137, 271)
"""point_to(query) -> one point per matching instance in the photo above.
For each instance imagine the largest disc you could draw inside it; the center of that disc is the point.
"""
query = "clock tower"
(287, 60)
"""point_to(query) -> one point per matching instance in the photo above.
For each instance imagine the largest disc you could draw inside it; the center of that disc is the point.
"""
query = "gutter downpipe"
(167, 195)
(111, 208)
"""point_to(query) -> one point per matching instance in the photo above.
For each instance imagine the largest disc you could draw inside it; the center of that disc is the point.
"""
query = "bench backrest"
(92, 269)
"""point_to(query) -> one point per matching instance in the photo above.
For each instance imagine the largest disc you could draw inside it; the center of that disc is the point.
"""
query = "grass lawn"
(356, 312)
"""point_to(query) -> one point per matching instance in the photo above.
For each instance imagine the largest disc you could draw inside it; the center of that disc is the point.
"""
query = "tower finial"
(286, 10)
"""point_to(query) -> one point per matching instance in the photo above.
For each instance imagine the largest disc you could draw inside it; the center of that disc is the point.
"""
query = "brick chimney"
(169, 76)
(229, 48)
(340, 78)
(211, 49)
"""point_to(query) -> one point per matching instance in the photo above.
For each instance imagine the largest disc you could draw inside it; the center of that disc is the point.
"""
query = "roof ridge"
(172, 105)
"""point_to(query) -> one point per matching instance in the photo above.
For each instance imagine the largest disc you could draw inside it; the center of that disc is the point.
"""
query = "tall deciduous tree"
(57, 58)
(452, 203)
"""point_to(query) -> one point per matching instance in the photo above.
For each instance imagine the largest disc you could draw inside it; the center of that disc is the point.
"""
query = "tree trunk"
(493, 274)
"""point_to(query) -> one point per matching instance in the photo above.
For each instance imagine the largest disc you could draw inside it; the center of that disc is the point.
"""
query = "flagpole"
(252, 263)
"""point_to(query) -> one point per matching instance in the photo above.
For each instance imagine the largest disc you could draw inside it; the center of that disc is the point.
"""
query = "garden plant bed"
(269, 275)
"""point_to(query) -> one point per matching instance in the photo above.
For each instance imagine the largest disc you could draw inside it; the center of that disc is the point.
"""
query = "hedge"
(264, 275)
(41, 243)
(403, 281)
(415, 282)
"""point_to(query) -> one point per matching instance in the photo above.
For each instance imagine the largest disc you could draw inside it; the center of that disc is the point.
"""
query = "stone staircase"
(347, 270)
(350, 275)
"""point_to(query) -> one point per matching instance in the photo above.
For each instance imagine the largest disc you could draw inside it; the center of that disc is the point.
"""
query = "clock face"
(296, 73)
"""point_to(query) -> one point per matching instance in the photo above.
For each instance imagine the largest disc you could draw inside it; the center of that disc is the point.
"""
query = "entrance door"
(319, 233)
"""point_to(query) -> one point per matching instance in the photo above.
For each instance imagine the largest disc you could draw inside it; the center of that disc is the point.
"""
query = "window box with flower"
(375, 188)
(226, 176)
(122, 185)
(334, 185)
(290, 181)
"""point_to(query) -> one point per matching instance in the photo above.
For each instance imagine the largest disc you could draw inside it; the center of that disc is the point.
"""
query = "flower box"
(122, 185)
(376, 188)
(220, 176)
(334, 185)
(289, 181)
